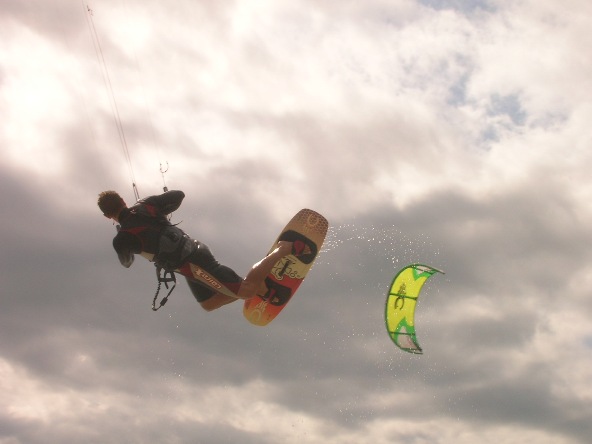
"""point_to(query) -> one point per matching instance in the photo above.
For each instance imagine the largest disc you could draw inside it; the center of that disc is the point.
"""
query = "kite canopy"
(400, 305)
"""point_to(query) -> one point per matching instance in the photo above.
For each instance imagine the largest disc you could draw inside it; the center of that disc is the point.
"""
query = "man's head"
(111, 204)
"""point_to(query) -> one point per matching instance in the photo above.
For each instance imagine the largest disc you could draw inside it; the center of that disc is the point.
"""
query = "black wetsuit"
(143, 230)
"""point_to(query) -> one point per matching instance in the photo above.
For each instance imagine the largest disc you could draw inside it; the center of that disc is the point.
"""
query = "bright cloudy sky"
(452, 133)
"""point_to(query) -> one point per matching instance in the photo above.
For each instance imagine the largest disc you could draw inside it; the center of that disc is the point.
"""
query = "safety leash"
(163, 276)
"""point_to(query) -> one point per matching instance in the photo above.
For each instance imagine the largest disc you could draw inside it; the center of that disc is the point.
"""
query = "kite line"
(114, 108)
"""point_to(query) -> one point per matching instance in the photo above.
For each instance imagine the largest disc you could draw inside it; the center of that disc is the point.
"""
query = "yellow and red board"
(288, 273)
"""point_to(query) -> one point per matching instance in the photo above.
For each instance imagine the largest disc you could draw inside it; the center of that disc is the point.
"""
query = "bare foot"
(284, 247)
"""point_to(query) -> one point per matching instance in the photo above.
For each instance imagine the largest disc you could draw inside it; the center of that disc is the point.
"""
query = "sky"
(450, 133)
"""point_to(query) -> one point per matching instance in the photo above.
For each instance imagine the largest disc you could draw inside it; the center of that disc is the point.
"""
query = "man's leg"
(254, 282)
(207, 297)
(216, 301)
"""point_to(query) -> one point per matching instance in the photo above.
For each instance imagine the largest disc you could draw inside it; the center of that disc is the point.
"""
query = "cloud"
(437, 132)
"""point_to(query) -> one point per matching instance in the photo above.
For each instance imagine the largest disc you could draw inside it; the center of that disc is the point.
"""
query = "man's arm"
(167, 202)
(125, 251)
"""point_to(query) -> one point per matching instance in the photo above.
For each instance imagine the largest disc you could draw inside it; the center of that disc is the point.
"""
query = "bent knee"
(209, 304)
(216, 301)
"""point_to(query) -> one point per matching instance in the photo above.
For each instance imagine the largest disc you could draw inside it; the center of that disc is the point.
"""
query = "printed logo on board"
(258, 311)
(312, 220)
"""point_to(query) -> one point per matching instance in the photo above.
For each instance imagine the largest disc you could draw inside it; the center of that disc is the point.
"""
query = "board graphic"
(307, 229)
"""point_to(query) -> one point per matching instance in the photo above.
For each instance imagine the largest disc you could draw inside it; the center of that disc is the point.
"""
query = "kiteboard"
(307, 229)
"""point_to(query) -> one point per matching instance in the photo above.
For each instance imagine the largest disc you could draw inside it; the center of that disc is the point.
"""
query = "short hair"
(110, 203)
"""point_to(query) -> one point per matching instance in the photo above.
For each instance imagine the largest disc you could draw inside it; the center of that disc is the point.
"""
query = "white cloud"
(439, 132)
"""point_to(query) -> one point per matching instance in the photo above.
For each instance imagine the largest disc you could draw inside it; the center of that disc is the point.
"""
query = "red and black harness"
(146, 224)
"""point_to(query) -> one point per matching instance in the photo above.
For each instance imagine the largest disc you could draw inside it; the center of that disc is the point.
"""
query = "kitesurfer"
(144, 229)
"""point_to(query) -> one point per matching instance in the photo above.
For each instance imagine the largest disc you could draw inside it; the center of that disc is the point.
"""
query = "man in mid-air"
(144, 229)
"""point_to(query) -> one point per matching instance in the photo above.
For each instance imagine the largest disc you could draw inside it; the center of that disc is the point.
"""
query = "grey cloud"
(76, 328)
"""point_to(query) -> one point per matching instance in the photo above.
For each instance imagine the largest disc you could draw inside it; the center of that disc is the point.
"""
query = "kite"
(400, 305)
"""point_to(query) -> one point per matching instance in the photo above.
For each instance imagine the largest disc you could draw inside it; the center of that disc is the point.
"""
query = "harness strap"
(163, 276)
